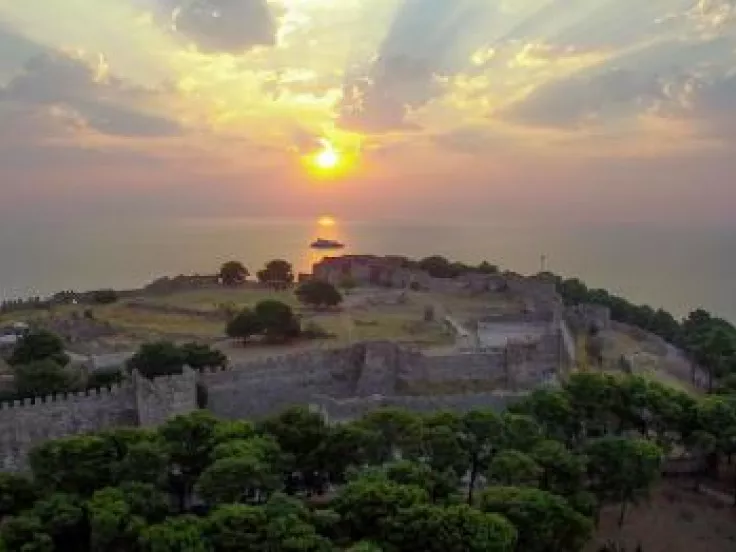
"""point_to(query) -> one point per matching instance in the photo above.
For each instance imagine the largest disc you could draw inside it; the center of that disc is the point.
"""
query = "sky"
(572, 110)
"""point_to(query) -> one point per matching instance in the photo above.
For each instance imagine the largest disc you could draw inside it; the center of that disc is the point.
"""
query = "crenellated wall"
(24, 424)
(346, 381)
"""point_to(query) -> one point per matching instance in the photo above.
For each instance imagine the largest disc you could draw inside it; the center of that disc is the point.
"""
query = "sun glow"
(326, 221)
(328, 158)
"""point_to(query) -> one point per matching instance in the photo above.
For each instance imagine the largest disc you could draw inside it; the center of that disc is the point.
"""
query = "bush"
(105, 379)
(317, 293)
(105, 296)
(39, 345)
(160, 358)
(40, 378)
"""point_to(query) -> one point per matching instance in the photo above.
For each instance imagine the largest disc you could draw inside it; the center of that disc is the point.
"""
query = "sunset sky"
(464, 109)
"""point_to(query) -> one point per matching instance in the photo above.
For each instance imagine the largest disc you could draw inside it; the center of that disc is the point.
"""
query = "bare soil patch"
(676, 519)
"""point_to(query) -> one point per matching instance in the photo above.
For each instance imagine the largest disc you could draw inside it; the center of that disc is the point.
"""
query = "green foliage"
(559, 455)
(244, 325)
(17, 493)
(427, 528)
(545, 522)
(622, 470)
(365, 503)
(198, 356)
(512, 468)
(41, 378)
(233, 273)
(160, 358)
(40, 345)
(278, 321)
(243, 478)
(107, 378)
(277, 272)
(317, 293)
(25, 534)
(77, 465)
(237, 527)
(180, 534)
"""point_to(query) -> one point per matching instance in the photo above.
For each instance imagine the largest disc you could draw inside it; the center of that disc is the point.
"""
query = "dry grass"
(675, 520)
(135, 321)
(212, 299)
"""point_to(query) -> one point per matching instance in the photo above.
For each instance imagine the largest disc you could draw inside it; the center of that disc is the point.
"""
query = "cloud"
(225, 25)
(87, 90)
(426, 39)
(585, 98)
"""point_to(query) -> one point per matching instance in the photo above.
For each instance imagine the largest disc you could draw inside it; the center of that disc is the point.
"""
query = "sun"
(327, 159)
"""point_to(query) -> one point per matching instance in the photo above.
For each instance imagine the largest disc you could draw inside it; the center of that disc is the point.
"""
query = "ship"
(326, 244)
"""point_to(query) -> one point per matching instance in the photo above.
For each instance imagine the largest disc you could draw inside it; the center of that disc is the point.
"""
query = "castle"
(341, 383)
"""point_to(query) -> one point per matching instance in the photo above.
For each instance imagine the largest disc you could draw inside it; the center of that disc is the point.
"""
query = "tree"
(39, 345)
(76, 465)
(189, 440)
(428, 528)
(63, 518)
(512, 468)
(243, 478)
(347, 445)
(483, 435)
(144, 462)
(40, 378)
(119, 515)
(562, 472)
(364, 504)
(278, 320)
(160, 358)
(244, 325)
(233, 273)
(622, 470)
(180, 534)
(318, 294)
(440, 486)
(200, 356)
(25, 533)
(277, 272)
(545, 522)
(17, 493)
(302, 435)
(444, 450)
(237, 527)
(400, 433)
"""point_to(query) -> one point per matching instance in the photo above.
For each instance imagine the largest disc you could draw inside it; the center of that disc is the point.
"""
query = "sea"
(675, 267)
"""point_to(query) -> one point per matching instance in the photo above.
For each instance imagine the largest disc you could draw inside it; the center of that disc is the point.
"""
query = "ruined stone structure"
(341, 383)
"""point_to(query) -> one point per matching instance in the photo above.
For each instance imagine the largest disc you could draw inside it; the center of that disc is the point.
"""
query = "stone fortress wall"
(341, 383)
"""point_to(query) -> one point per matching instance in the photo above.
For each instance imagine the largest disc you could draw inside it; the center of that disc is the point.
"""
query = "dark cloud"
(15, 49)
(226, 25)
(427, 38)
(104, 103)
(582, 98)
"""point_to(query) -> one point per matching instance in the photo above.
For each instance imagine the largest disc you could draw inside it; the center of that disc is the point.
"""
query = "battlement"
(61, 398)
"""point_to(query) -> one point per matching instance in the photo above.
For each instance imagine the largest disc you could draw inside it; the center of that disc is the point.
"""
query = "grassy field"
(366, 315)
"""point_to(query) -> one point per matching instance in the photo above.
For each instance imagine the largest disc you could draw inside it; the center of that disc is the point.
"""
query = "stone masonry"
(340, 383)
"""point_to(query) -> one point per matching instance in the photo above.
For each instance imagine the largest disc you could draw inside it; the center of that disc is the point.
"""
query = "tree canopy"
(233, 273)
(317, 293)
